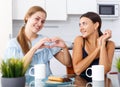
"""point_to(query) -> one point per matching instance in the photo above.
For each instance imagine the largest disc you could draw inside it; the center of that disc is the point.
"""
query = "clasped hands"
(50, 43)
(106, 35)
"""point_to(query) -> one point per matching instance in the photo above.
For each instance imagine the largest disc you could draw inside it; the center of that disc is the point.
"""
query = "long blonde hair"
(21, 37)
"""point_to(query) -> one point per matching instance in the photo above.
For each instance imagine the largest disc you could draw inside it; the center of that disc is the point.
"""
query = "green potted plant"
(118, 67)
(13, 73)
(118, 64)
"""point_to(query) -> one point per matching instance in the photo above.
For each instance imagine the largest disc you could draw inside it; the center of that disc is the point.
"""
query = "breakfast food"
(55, 78)
(53, 82)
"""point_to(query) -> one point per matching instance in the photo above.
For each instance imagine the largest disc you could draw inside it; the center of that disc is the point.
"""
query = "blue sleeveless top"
(95, 62)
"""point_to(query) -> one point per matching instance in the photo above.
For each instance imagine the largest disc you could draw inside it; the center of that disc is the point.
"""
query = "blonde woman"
(36, 48)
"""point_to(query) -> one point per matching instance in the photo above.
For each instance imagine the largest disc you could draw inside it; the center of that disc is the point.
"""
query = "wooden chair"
(70, 70)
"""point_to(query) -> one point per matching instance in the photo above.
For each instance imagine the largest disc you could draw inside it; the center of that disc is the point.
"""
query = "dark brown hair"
(21, 37)
(94, 17)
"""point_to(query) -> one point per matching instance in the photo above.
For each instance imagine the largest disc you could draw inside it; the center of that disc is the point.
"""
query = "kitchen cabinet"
(81, 6)
(56, 9)
(5, 24)
(20, 7)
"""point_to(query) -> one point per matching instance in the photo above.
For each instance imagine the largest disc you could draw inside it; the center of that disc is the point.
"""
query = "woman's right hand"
(41, 43)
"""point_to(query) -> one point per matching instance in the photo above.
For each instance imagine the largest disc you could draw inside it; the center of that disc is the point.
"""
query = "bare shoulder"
(111, 44)
(78, 39)
(78, 42)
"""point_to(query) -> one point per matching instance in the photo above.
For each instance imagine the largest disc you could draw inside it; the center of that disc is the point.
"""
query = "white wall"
(115, 27)
(5, 23)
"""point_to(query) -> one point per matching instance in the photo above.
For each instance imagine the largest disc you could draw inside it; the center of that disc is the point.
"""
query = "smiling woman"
(32, 47)
(93, 47)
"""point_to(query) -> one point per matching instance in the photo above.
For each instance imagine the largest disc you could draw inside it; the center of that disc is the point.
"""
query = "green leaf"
(13, 67)
(118, 64)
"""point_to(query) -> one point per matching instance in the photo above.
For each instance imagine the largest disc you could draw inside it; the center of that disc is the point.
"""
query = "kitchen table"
(78, 82)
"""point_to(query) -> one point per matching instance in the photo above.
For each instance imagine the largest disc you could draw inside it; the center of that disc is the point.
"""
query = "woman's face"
(87, 27)
(36, 21)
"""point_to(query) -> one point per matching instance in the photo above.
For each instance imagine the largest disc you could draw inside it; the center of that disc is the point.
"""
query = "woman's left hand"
(102, 39)
(57, 42)
(107, 34)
